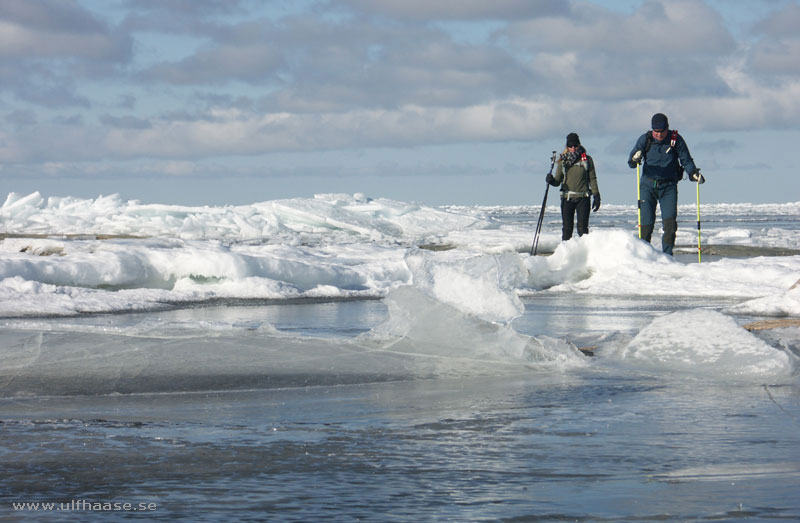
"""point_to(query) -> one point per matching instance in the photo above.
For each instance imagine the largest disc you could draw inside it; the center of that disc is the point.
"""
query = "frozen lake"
(340, 372)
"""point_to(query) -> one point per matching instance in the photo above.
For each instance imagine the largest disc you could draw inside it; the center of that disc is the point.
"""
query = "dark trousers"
(665, 195)
(569, 208)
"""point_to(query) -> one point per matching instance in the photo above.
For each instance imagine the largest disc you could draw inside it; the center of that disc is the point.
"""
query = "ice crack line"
(766, 388)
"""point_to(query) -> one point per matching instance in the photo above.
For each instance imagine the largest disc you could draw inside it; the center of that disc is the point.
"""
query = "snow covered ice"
(705, 343)
(341, 246)
(468, 267)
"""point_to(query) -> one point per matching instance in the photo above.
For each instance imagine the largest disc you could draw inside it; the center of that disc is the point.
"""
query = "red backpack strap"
(672, 140)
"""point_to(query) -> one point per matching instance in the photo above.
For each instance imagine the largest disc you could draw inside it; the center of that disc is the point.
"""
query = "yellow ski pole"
(639, 201)
(698, 221)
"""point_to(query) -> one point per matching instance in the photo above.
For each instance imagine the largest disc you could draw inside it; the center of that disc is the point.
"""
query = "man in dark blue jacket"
(665, 157)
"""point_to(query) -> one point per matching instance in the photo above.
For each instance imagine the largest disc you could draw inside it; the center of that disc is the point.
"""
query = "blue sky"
(441, 102)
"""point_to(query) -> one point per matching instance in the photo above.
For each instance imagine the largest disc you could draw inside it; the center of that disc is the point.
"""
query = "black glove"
(695, 176)
(552, 181)
(595, 202)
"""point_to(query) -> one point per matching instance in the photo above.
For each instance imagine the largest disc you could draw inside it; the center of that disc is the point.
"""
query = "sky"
(231, 102)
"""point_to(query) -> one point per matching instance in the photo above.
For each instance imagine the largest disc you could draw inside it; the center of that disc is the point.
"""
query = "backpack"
(673, 138)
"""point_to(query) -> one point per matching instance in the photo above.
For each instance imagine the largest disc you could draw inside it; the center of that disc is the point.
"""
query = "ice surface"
(422, 325)
(675, 418)
(451, 277)
(334, 217)
(344, 246)
(788, 472)
(617, 263)
(481, 285)
(705, 344)
(423, 338)
(125, 275)
(780, 304)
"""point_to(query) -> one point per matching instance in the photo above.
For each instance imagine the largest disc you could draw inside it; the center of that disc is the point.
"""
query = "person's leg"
(582, 208)
(648, 208)
(567, 219)
(668, 201)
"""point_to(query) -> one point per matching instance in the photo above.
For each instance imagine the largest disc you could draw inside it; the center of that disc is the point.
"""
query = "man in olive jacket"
(576, 175)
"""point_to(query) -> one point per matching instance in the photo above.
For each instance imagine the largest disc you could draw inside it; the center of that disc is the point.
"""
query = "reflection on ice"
(423, 337)
(734, 472)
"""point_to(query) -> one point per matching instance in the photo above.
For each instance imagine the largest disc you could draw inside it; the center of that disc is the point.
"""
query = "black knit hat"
(659, 122)
(573, 140)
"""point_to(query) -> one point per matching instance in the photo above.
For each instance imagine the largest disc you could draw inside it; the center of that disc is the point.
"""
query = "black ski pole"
(535, 245)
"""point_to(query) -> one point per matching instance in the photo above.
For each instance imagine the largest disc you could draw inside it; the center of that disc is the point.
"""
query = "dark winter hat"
(573, 140)
(659, 122)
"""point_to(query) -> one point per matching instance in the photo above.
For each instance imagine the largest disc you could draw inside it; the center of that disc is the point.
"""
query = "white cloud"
(664, 48)
(324, 82)
(48, 46)
(658, 28)
(778, 49)
(220, 64)
(49, 28)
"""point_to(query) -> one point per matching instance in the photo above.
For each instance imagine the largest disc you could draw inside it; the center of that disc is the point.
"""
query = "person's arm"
(687, 162)
(593, 179)
(593, 186)
(640, 143)
(556, 180)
